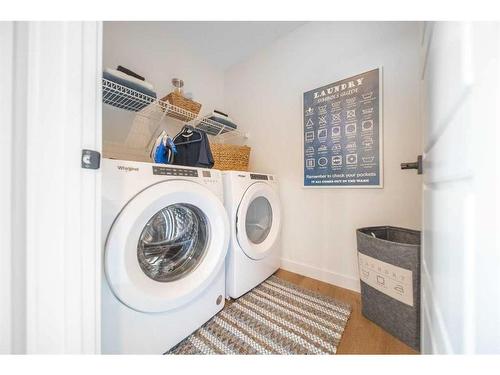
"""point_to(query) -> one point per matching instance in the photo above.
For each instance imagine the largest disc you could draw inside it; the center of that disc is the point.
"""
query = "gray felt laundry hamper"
(395, 247)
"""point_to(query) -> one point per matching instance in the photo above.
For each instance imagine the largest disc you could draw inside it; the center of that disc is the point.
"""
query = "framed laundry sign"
(343, 143)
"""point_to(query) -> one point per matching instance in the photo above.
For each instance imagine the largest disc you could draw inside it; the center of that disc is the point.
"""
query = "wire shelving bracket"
(156, 110)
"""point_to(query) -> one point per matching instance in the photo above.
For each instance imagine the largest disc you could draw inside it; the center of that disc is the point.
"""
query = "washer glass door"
(166, 246)
(173, 242)
(258, 220)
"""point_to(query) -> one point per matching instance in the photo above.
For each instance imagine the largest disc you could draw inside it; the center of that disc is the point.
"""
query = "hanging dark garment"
(193, 149)
(205, 159)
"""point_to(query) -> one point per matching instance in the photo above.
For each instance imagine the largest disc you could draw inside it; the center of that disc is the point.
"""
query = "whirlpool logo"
(127, 169)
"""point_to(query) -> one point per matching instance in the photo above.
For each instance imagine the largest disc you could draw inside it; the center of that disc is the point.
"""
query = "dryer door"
(166, 246)
(258, 220)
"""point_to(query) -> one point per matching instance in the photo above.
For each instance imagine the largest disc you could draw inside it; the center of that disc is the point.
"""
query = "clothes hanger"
(187, 131)
(188, 142)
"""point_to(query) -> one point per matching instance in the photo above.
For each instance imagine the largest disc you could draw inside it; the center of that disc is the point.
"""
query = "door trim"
(6, 141)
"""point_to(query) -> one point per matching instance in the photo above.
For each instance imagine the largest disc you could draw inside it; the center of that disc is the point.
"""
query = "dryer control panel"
(254, 176)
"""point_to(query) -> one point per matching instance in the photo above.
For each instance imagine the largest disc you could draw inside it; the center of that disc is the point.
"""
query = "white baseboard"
(326, 276)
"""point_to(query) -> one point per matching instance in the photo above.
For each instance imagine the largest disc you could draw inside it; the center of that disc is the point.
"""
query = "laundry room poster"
(343, 133)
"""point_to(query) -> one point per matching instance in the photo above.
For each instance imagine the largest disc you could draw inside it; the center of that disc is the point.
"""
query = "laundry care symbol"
(380, 280)
(367, 142)
(351, 159)
(367, 125)
(336, 105)
(351, 146)
(337, 160)
(336, 117)
(399, 288)
(350, 101)
(368, 95)
(350, 128)
(322, 134)
(336, 131)
(322, 110)
(322, 161)
(310, 123)
(309, 111)
(351, 113)
(322, 120)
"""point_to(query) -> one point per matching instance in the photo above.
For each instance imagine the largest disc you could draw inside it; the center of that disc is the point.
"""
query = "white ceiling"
(224, 44)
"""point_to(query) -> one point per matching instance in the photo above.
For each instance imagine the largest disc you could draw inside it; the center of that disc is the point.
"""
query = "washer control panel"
(172, 171)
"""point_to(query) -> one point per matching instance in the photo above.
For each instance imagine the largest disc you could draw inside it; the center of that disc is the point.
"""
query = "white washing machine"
(165, 238)
(254, 211)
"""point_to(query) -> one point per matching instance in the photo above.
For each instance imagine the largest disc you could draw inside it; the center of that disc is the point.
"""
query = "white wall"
(264, 94)
(152, 50)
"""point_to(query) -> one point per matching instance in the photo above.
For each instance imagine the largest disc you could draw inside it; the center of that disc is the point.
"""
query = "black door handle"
(414, 165)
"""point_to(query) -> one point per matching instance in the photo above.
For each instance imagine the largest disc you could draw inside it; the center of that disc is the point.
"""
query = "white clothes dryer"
(254, 211)
(165, 238)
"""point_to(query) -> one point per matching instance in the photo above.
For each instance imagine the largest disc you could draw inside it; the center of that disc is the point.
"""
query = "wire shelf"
(154, 109)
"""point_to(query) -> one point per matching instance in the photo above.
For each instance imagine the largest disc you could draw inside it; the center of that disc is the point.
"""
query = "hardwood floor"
(361, 336)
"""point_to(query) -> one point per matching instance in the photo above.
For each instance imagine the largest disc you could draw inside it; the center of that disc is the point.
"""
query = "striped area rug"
(274, 318)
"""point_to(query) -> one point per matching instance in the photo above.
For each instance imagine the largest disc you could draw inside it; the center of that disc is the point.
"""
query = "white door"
(166, 246)
(258, 220)
(50, 90)
(461, 255)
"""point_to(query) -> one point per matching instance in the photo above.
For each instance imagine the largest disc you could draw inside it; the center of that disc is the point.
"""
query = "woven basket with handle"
(187, 104)
(230, 157)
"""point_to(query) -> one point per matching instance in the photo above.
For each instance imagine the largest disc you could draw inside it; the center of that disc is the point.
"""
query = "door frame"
(6, 140)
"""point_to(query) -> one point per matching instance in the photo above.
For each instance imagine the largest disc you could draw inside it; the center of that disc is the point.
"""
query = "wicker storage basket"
(230, 157)
(187, 104)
